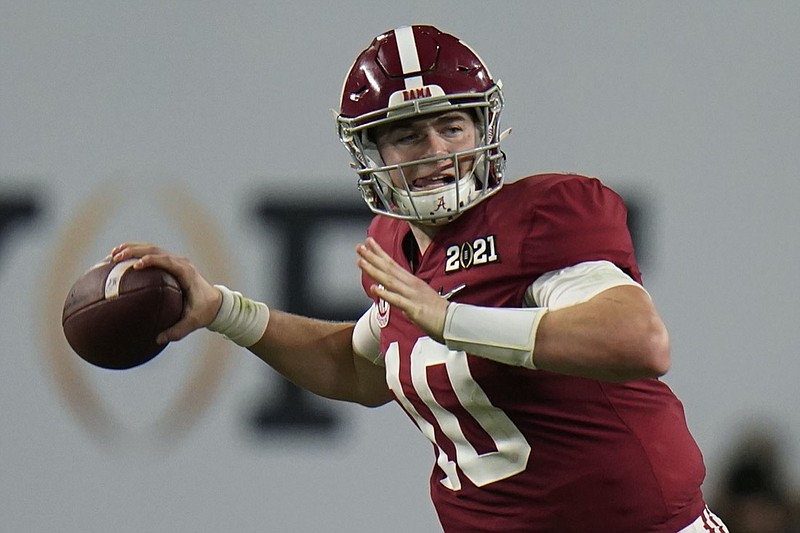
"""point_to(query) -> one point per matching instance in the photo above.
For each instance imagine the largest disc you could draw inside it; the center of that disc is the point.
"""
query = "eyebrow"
(449, 116)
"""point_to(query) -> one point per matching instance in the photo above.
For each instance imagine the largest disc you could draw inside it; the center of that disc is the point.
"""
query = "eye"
(453, 129)
(407, 137)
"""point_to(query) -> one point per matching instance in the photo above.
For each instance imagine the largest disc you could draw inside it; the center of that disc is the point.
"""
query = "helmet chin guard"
(437, 205)
(411, 72)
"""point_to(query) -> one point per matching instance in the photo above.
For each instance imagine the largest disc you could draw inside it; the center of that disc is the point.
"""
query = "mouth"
(426, 183)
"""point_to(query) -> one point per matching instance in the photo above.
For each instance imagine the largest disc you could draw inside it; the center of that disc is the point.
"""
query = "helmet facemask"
(478, 171)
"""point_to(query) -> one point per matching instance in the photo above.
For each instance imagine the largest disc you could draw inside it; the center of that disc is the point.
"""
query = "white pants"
(707, 522)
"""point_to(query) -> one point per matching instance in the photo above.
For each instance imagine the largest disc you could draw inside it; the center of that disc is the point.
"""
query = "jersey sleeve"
(577, 219)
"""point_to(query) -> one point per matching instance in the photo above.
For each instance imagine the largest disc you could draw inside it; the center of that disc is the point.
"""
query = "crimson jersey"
(530, 450)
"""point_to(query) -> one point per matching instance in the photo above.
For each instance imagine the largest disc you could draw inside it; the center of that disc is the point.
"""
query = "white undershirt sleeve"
(367, 337)
(575, 284)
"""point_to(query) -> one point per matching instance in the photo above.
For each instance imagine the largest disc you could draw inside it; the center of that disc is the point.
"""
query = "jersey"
(530, 450)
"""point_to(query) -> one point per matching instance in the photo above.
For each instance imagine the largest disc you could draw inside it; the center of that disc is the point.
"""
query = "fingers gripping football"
(202, 298)
(403, 290)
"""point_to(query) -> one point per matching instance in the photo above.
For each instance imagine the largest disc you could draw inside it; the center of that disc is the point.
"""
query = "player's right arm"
(316, 355)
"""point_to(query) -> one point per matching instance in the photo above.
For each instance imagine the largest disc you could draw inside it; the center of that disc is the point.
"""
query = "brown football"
(113, 313)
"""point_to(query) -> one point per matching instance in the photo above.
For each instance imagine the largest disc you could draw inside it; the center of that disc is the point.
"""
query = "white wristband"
(241, 319)
(505, 335)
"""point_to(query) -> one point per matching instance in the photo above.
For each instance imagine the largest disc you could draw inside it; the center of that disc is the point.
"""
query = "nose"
(435, 145)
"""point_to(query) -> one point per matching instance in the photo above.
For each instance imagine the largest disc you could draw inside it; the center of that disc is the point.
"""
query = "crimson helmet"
(405, 73)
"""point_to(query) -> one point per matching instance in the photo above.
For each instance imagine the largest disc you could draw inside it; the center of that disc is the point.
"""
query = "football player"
(509, 319)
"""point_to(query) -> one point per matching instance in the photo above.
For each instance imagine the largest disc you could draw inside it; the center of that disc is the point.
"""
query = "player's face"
(421, 138)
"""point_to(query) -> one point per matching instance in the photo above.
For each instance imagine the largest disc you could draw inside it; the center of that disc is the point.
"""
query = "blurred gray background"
(185, 122)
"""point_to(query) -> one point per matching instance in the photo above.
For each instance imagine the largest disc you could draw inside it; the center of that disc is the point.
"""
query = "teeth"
(431, 181)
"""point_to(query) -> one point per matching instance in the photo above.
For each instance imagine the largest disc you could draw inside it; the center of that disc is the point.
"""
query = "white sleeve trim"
(575, 284)
(367, 337)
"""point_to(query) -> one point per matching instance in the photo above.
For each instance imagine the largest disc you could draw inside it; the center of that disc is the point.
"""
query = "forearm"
(317, 355)
(616, 336)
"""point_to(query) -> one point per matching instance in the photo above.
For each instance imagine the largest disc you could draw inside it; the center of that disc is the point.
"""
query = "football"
(113, 313)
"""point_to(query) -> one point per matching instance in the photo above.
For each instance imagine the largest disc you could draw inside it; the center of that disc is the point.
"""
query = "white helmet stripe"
(409, 59)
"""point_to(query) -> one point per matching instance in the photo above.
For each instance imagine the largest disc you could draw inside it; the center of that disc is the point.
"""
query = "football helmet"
(406, 73)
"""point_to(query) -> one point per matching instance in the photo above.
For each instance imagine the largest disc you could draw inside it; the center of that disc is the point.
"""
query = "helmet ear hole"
(355, 96)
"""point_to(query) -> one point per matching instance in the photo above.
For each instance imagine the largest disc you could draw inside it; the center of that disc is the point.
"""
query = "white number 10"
(512, 450)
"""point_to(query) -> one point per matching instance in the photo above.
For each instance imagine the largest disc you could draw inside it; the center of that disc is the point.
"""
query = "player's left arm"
(614, 334)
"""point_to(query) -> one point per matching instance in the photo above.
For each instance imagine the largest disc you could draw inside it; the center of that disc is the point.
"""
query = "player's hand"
(201, 299)
(403, 290)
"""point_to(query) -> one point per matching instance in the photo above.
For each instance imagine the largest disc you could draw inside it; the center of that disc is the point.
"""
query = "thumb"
(175, 333)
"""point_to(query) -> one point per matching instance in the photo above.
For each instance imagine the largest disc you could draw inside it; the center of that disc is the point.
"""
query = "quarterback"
(509, 319)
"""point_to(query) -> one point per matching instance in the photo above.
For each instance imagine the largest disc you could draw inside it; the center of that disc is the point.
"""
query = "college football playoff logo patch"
(477, 252)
